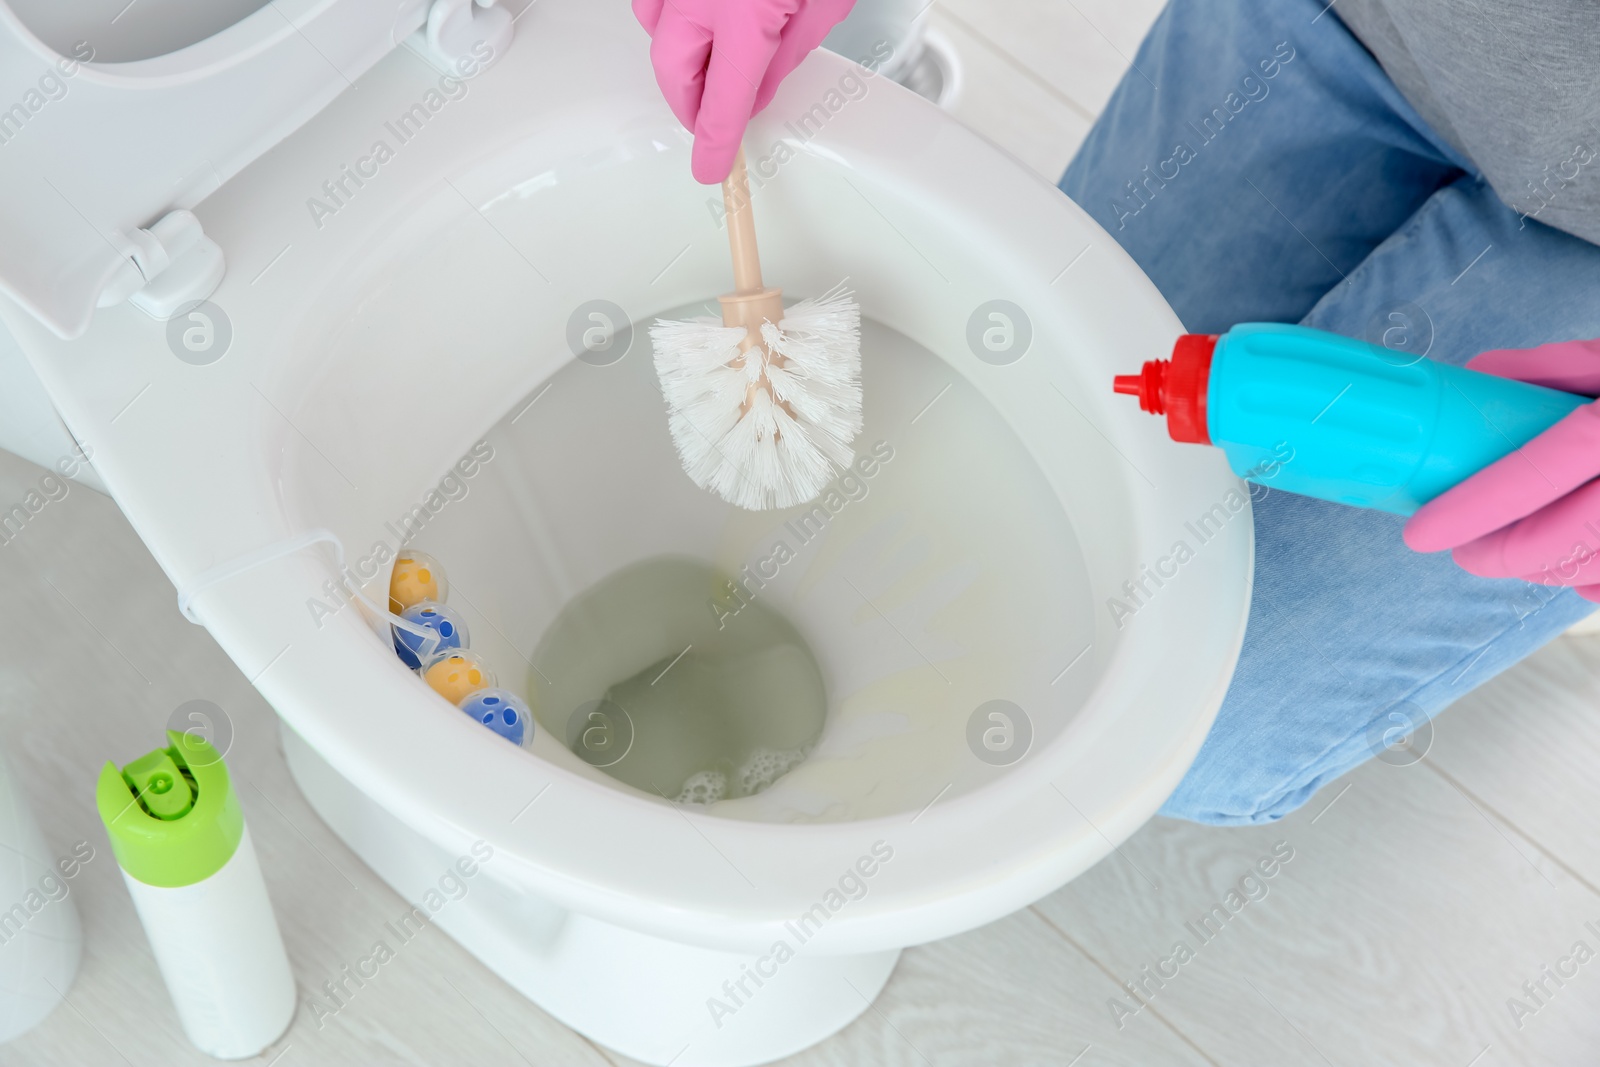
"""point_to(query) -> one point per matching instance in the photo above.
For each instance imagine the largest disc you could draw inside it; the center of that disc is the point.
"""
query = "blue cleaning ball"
(445, 622)
(501, 711)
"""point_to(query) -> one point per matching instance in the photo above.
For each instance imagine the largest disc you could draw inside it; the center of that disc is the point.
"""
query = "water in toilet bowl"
(658, 691)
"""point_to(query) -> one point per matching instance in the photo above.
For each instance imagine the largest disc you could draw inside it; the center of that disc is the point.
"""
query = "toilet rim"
(710, 901)
(939, 883)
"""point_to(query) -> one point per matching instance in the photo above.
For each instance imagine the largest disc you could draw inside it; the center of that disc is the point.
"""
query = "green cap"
(171, 814)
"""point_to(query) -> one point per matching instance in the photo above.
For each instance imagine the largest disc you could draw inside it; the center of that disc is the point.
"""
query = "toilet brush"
(763, 406)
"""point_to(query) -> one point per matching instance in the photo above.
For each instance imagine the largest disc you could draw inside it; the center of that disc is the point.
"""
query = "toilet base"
(657, 1001)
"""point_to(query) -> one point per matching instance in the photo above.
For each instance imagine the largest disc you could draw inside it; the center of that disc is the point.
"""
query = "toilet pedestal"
(658, 1001)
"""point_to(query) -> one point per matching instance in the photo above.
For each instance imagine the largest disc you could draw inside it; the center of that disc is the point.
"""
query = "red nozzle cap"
(1176, 388)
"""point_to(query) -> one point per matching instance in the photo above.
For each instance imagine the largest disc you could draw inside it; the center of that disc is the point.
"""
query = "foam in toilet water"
(704, 787)
(706, 712)
(763, 767)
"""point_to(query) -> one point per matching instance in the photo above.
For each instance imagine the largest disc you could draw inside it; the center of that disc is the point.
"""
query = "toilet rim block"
(420, 561)
(426, 629)
(471, 660)
(514, 715)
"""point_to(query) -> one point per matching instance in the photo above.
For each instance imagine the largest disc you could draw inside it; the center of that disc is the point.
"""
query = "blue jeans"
(1259, 166)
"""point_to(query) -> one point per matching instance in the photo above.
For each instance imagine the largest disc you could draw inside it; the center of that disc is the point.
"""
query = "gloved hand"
(720, 61)
(1536, 513)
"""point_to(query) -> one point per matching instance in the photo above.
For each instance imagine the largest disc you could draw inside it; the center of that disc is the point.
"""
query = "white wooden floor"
(1417, 900)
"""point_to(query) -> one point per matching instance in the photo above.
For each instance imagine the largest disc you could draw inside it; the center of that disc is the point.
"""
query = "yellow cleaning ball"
(417, 577)
(457, 674)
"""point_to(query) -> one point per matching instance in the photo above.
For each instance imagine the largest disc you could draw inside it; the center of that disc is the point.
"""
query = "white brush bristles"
(783, 447)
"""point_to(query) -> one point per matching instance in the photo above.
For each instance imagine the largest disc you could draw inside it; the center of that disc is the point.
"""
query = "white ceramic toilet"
(375, 316)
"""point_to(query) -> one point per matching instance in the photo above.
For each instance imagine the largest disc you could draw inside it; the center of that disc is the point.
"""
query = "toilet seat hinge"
(167, 265)
(457, 31)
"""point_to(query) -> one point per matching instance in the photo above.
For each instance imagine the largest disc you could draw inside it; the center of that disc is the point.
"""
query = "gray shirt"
(1514, 85)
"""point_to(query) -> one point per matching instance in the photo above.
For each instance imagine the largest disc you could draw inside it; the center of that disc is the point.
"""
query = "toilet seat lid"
(91, 153)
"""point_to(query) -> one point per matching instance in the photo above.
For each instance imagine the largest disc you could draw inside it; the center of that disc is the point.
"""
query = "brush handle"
(741, 229)
(751, 303)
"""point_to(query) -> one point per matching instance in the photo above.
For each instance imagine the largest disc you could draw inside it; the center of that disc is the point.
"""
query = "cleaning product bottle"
(179, 836)
(1327, 416)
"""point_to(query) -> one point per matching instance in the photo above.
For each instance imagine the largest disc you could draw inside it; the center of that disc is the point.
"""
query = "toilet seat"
(306, 419)
(88, 185)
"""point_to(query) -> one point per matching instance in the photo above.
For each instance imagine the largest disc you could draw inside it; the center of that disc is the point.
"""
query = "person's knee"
(1214, 801)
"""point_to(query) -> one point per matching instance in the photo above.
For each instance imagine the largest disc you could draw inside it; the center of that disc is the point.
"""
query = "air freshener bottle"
(1339, 419)
(178, 834)
(40, 938)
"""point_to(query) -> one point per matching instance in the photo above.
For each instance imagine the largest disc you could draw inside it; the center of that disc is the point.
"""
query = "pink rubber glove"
(720, 61)
(1536, 513)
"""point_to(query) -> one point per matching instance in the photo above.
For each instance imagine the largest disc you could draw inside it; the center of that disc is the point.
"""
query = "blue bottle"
(1327, 416)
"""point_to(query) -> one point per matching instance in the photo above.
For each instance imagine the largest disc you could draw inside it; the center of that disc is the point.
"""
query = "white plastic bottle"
(40, 939)
(179, 836)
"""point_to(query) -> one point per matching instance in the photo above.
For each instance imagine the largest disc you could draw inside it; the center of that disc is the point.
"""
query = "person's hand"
(720, 61)
(1536, 513)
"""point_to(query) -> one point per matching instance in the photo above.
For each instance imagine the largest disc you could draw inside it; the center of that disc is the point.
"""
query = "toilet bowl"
(445, 347)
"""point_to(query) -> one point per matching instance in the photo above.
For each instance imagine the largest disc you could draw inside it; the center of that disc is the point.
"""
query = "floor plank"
(1527, 745)
(1405, 919)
